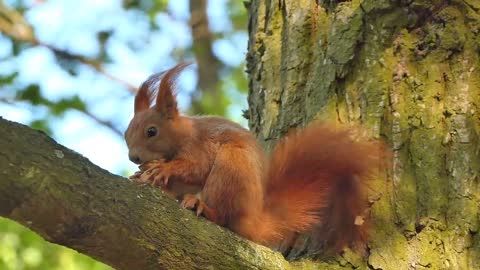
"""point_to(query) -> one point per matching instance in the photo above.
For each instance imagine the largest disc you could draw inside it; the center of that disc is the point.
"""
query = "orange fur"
(318, 175)
(159, 87)
(314, 176)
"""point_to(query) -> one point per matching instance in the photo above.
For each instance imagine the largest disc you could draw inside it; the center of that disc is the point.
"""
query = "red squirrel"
(314, 176)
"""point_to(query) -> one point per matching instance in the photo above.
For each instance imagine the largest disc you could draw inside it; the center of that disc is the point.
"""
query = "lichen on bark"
(408, 72)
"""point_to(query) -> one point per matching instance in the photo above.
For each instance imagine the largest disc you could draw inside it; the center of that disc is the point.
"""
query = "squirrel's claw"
(134, 177)
(147, 175)
(194, 203)
(200, 208)
(190, 201)
(160, 180)
(151, 164)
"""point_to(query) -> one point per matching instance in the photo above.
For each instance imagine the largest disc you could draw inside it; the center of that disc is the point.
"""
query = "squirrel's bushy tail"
(317, 176)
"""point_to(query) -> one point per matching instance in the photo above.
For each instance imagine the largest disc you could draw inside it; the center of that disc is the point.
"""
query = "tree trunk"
(407, 71)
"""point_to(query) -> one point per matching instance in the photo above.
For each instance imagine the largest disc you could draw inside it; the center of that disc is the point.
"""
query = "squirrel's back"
(215, 127)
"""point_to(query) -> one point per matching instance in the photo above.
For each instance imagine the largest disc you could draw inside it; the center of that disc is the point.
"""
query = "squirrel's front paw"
(151, 164)
(136, 176)
(153, 172)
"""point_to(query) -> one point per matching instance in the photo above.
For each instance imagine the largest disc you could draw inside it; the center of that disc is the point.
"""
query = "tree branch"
(102, 122)
(208, 64)
(69, 201)
(107, 124)
(95, 64)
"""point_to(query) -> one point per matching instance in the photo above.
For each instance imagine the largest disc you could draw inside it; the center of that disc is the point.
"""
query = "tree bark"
(70, 201)
(407, 71)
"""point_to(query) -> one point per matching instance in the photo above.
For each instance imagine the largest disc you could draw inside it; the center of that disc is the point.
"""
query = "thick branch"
(68, 200)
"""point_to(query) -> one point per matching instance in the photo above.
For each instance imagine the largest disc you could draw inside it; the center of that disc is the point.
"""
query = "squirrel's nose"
(135, 159)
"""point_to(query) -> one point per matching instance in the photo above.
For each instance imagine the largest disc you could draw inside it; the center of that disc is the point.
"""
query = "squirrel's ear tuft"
(166, 100)
(147, 92)
(160, 87)
(141, 100)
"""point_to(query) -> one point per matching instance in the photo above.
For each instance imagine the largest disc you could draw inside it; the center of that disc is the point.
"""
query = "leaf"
(43, 125)
(65, 104)
(8, 79)
(31, 94)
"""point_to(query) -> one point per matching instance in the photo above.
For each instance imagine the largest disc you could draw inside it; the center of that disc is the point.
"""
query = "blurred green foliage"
(32, 94)
(22, 249)
(74, 63)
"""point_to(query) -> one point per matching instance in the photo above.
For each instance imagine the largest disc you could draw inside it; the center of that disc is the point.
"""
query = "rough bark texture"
(407, 71)
(69, 201)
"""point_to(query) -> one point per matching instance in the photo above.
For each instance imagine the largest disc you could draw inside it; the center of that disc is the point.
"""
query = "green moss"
(408, 72)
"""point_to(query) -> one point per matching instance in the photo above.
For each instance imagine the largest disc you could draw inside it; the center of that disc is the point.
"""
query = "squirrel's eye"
(151, 131)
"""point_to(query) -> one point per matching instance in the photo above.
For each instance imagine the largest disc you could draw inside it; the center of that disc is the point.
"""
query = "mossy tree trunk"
(407, 71)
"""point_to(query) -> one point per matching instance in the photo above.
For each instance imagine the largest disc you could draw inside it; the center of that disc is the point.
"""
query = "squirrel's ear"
(147, 93)
(166, 100)
(142, 101)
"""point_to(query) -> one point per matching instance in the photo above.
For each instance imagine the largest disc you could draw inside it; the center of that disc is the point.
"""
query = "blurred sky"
(72, 26)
